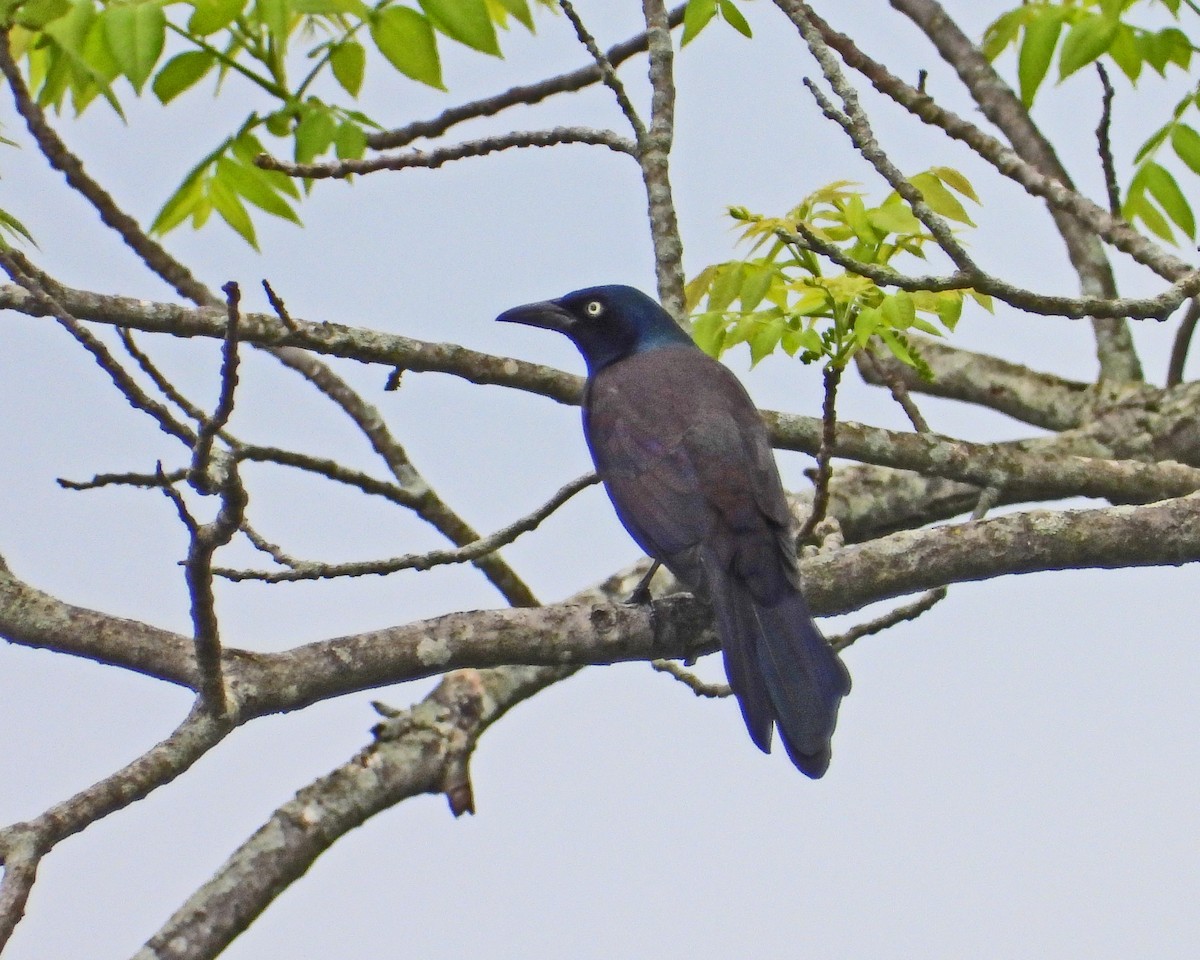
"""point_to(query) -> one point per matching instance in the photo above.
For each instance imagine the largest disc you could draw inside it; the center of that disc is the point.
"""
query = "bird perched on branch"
(687, 463)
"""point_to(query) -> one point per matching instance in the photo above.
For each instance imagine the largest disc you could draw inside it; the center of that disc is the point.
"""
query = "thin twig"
(1182, 344)
(908, 611)
(832, 377)
(211, 426)
(1104, 143)
(607, 72)
(425, 501)
(897, 387)
(17, 266)
(1158, 307)
(431, 160)
(517, 96)
(261, 543)
(306, 570)
(279, 307)
(144, 480)
(699, 687)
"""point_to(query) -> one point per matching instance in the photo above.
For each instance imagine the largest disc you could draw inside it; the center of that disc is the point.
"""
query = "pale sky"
(1014, 774)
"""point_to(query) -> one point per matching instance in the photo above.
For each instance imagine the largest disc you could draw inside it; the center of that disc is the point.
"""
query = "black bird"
(688, 466)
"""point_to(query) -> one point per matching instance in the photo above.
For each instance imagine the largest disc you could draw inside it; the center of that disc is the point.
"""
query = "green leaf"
(757, 282)
(696, 18)
(350, 142)
(898, 310)
(726, 285)
(180, 72)
(1137, 207)
(1001, 32)
(952, 178)
(349, 61)
(232, 210)
(135, 35)
(1125, 54)
(1186, 143)
(940, 200)
(1155, 140)
(314, 133)
(331, 7)
(764, 341)
(733, 16)
(276, 16)
(182, 203)
(898, 346)
(949, 308)
(708, 330)
(249, 182)
(1087, 40)
(209, 16)
(466, 21)
(35, 14)
(15, 228)
(894, 218)
(406, 38)
(1165, 190)
(1037, 50)
(519, 9)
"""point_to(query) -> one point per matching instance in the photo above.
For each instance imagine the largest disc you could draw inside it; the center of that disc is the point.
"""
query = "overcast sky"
(1014, 774)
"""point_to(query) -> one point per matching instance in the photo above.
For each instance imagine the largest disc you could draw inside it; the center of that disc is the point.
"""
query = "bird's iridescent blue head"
(605, 323)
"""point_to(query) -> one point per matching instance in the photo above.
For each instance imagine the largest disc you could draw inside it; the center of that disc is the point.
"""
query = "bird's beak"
(547, 314)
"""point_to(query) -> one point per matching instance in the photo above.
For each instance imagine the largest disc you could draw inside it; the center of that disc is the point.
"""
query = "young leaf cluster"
(1093, 29)
(699, 13)
(76, 51)
(782, 297)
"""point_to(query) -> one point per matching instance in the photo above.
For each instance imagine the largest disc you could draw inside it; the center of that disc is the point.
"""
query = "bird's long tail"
(781, 669)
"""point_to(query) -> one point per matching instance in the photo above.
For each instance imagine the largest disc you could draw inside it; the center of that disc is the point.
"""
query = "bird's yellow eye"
(594, 308)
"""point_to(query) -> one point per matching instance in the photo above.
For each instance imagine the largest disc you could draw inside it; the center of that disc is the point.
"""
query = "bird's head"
(605, 323)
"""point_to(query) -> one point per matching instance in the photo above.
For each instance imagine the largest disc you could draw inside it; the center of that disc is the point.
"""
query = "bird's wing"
(682, 451)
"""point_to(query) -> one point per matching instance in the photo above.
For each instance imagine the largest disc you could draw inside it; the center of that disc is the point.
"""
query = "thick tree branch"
(419, 751)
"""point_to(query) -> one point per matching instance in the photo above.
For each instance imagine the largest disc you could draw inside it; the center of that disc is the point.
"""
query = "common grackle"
(687, 463)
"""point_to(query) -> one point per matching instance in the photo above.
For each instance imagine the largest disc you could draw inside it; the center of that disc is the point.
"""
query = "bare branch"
(868, 360)
(420, 751)
(1182, 343)
(38, 287)
(303, 570)
(1158, 307)
(211, 426)
(654, 150)
(424, 501)
(440, 156)
(909, 611)
(162, 763)
(607, 73)
(691, 681)
(1104, 143)
(523, 95)
(832, 377)
(20, 856)
(1041, 399)
(1078, 219)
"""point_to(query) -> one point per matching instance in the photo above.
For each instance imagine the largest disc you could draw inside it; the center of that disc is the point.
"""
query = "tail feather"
(781, 669)
(806, 681)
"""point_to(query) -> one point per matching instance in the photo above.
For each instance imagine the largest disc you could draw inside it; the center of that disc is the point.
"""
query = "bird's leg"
(641, 593)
